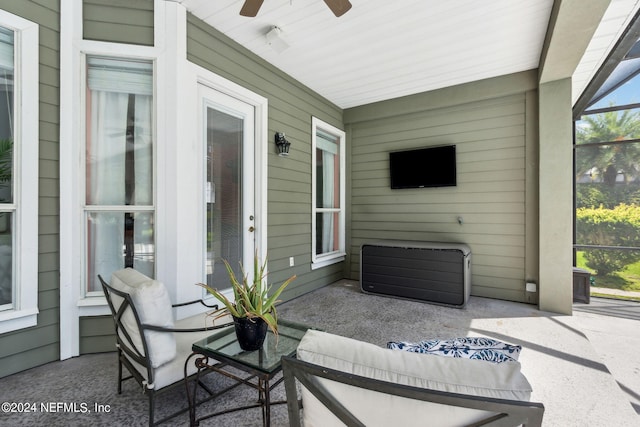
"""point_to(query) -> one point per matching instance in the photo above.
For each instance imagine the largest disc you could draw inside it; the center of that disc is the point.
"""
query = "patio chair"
(349, 382)
(150, 344)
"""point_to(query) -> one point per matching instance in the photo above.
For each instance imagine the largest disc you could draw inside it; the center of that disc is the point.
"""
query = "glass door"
(228, 133)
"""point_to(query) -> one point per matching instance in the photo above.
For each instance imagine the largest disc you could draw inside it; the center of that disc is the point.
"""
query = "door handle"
(251, 229)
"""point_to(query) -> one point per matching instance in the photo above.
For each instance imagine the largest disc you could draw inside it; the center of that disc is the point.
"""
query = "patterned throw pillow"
(486, 349)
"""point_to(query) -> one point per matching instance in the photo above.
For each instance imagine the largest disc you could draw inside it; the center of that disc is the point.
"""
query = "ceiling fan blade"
(338, 7)
(251, 7)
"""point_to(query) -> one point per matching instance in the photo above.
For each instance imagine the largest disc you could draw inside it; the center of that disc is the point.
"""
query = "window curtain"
(112, 83)
(6, 82)
(7, 290)
(329, 149)
(144, 248)
(105, 165)
(6, 49)
(119, 139)
(327, 201)
(106, 148)
(143, 194)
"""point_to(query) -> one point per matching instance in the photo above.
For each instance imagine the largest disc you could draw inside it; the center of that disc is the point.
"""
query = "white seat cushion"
(173, 371)
(153, 305)
(456, 375)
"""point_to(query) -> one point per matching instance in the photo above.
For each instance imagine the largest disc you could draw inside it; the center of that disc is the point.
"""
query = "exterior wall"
(121, 21)
(34, 346)
(291, 106)
(488, 122)
(96, 334)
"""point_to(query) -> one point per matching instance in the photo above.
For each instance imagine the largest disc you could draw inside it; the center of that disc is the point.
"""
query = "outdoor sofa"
(349, 382)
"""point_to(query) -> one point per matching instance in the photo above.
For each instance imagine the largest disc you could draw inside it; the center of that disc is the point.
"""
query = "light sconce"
(275, 40)
(282, 144)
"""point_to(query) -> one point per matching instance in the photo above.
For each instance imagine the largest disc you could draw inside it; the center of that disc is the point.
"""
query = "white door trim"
(190, 263)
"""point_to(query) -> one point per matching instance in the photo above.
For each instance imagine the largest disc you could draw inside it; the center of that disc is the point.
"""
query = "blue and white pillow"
(486, 349)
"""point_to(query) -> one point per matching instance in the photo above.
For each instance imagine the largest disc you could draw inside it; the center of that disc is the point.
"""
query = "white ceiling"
(384, 49)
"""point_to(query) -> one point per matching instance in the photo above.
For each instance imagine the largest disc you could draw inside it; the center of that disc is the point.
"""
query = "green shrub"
(619, 226)
(592, 195)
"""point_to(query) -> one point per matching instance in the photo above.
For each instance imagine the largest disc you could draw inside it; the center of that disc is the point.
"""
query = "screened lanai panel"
(607, 180)
(613, 127)
(620, 87)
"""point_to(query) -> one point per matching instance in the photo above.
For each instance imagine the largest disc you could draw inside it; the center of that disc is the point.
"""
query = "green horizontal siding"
(490, 138)
(23, 349)
(118, 21)
(97, 334)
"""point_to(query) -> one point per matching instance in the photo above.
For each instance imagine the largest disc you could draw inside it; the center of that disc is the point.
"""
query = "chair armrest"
(204, 329)
(505, 412)
(182, 304)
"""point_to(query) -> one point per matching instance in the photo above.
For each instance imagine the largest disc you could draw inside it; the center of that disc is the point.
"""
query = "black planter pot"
(250, 332)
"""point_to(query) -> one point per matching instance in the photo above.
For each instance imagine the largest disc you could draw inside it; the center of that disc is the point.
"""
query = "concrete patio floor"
(584, 368)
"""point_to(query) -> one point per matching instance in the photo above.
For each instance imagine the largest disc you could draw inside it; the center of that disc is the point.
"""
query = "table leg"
(266, 412)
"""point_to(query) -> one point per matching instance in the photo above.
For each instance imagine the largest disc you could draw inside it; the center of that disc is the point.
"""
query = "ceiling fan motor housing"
(338, 7)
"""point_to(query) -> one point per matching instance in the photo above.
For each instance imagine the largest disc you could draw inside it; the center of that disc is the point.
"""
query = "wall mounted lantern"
(282, 144)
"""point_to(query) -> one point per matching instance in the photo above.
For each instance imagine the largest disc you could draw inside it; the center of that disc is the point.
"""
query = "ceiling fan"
(338, 7)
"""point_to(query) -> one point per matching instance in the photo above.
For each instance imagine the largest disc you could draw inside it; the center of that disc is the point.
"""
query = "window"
(7, 205)
(328, 216)
(18, 183)
(119, 206)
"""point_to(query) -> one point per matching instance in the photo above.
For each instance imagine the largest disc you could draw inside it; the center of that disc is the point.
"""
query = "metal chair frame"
(504, 412)
(127, 351)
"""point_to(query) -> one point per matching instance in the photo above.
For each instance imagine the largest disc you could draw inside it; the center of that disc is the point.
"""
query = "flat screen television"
(424, 167)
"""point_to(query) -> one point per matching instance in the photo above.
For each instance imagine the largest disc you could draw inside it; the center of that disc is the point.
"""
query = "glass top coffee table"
(260, 365)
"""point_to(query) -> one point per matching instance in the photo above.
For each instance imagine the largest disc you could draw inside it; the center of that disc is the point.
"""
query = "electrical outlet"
(291, 262)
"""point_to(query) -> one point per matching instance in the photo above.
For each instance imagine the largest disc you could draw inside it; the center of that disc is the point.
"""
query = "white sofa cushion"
(457, 375)
(153, 305)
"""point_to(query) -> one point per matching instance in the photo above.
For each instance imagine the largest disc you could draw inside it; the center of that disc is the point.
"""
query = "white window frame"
(24, 313)
(322, 260)
(74, 303)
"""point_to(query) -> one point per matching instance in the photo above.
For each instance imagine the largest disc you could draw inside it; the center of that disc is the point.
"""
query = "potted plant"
(253, 308)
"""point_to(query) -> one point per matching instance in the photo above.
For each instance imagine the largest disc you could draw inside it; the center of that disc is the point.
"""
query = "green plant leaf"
(252, 299)
(270, 302)
(222, 298)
